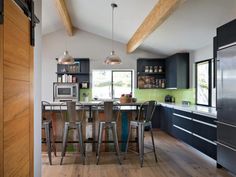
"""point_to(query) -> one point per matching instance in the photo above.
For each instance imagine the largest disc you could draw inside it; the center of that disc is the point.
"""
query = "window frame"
(112, 86)
(118, 70)
(209, 81)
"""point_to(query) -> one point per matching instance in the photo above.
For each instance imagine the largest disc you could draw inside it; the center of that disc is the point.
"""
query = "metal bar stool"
(146, 111)
(111, 113)
(47, 127)
(73, 123)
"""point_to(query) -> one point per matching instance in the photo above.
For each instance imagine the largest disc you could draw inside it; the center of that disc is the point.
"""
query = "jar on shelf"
(155, 69)
(160, 69)
(146, 69)
(150, 69)
(163, 83)
(59, 79)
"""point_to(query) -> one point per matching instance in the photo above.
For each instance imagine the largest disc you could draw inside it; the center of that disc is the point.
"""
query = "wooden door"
(16, 105)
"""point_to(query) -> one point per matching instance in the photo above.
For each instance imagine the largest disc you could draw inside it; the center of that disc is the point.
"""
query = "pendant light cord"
(112, 28)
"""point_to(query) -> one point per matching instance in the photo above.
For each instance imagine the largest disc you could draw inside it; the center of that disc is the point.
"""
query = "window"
(204, 82)
(109, 84)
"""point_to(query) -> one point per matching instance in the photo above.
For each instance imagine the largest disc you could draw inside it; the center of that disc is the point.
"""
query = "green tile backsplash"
(156, 94)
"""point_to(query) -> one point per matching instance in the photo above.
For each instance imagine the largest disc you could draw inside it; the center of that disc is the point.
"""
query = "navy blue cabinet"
(177, 71)
(226, 34)
(194, 129)
(166, 119)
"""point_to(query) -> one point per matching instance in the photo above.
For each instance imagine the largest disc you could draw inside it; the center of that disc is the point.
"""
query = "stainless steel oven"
(65, 92)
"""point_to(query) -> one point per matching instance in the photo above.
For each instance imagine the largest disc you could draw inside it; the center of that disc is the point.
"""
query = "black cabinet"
(177, 71)
(77, 72)
(194, 129)
(226, 34)
(166, 120)
(150, 73)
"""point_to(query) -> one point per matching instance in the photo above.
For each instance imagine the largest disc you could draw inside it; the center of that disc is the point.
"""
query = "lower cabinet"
(166, 119)
(194, 129)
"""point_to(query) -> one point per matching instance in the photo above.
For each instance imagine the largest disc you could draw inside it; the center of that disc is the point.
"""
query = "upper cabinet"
(151, 73)
(177, 71)
(75, 73)
(226, 34)
(171, 72)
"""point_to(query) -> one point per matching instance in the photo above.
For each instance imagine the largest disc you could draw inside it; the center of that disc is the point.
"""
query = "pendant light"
(66, 59)
(113, 59)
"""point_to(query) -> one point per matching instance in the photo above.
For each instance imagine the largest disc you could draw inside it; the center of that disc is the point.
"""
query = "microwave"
(65, 92)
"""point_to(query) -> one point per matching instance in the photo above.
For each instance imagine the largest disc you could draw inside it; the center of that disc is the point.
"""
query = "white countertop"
(196, 109)
(202, 110)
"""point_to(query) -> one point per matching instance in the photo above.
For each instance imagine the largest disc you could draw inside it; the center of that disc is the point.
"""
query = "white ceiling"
(190, 27)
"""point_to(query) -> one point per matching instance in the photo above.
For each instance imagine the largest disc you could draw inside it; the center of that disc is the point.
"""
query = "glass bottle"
(146, 69)
(155, 69)
(150, 69)
(160, 69)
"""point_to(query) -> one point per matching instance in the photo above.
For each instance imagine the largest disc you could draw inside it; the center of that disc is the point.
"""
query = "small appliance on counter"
(169, 99)
(65, 92)
(186, 103)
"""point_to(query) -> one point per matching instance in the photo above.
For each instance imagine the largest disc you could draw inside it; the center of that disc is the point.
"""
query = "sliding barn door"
(16, 105)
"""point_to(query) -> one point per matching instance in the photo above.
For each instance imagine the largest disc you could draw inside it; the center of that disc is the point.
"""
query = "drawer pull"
(218, 122)
(205, 123)
(226, 146)
(207, 140)
(185, 117)
(182, 129)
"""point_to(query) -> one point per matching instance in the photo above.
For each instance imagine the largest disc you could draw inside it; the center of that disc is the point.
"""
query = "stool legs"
(116, 143)
(141, 142)
(82, 151)
(153, 144)
(100, 133)
(65, 139)
(115, 139)
(48, 141)
(65, 135)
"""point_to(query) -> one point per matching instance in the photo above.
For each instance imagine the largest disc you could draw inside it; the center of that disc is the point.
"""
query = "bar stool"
(146, 111)
(47, 127)
(111, 115)
(73, 123)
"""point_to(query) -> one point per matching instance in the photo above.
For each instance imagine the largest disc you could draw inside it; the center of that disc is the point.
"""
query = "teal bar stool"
(146, 112)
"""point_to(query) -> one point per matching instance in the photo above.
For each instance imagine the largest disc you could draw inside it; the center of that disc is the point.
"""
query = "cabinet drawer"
(182, 134)
(204, 145)
(203, 118)
(226, 156)
(226, 134)
(204, 129)
(182, 121)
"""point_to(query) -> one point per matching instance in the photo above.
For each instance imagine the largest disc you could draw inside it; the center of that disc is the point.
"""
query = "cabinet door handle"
(218, 143)
(180, 128)
(185, 117)
(205, 123)
(222, 123)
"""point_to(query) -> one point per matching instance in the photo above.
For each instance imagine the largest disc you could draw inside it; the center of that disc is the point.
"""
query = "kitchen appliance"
(226, 107)
(169, 99)
(65, 92)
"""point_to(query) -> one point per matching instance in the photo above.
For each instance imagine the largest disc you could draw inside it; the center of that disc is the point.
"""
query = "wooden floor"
(175, 159)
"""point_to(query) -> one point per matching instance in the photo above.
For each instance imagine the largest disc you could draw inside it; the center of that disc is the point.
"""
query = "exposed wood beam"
(65, 17)
(161, 11)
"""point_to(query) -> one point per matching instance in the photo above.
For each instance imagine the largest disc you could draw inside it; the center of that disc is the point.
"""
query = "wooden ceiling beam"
(161, 11)
(64, 15)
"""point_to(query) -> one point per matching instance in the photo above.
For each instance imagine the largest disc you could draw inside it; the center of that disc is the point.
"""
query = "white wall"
(203, 53)
(82, 45)
(37, 91)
